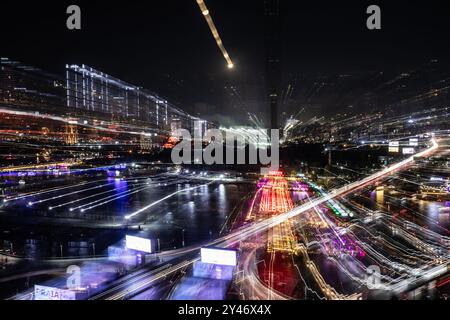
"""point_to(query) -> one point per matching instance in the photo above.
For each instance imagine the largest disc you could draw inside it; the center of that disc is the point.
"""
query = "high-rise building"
(175, 125)
(71, 135)
(145, 142)
(95, 91)
(90, 95)
(272, 43)
(29, 89)
(91, 90)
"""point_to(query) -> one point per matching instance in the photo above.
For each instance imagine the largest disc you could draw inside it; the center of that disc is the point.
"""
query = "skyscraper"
(272, 42)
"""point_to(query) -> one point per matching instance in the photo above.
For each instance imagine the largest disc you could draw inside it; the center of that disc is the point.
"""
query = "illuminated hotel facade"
(93, 90)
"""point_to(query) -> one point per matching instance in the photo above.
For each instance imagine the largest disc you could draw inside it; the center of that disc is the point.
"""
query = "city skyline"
(225, 158)
(314, 42)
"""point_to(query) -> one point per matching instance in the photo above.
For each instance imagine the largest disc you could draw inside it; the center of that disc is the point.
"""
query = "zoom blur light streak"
(215, 33)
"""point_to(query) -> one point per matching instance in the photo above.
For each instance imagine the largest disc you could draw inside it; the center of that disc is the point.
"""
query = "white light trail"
(33, 194)
(68, 194)
(129, 216)
(258, 227)
(105, 128)
(215, 33)
(122, 194)
(109, 199)
(88, 197)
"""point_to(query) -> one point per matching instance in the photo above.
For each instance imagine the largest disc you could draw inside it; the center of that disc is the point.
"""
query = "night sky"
(166, 46)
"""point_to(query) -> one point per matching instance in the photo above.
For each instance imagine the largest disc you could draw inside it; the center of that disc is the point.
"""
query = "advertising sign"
(219, 256)
(393, 149)
(138, 244)
(413, 142)
(50, 293)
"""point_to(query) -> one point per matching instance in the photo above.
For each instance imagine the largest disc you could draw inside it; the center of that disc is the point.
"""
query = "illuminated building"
(273, 57)
(29, 88)
(171, 142)
(145, 142)
(175, 125)
(200, 127)
(245, 134)
(91, 90)
(71, 136)
(91, 98)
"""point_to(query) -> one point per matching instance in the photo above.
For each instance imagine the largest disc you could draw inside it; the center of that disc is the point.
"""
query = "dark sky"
(166, 46)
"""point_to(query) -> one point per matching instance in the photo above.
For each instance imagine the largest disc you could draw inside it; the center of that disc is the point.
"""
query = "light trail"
(137, 286)
(89, 197)
(33, 194)
(131, 215)
(264, 225)
(215, 33)
(79, 123)
(258, 288)
(69, 194)
(134, 189)
(424, 258)
(106, 200)
(35, 166)
(248, 231)
(56, 189)
(252, 205)
(251, 230)
(122, 285)
(112, 197)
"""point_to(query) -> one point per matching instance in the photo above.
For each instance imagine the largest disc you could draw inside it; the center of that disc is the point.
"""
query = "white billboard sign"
(394, 144)
(138, 244)
(408, 150)
(413, 142)
(50, 293)
(219, 256)
(393, 149)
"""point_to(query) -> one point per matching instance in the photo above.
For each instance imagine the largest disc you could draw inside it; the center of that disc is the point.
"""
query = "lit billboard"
(408, 150)
(413, 142)
(138, 244)
(394, 144)
(219, 256)
(50, 293)
(393, 149)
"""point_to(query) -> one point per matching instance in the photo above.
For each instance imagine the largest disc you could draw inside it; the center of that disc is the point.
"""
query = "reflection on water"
(436, 212)
(430, 208)
(196, 214)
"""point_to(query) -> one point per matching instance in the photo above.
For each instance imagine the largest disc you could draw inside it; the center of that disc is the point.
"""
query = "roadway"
(140, 282)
